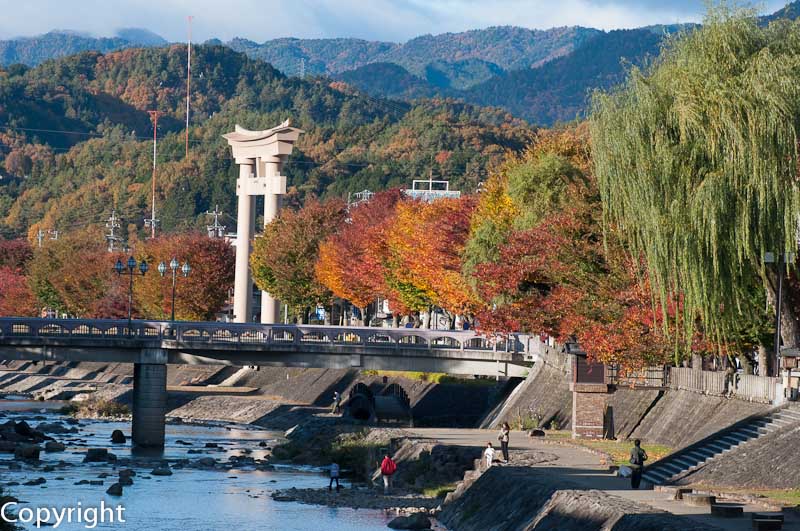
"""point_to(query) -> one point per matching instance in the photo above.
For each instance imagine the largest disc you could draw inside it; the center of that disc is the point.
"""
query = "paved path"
(582, 467)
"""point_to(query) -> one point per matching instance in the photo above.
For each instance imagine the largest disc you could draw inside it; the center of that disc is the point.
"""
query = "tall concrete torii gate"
(260, 156)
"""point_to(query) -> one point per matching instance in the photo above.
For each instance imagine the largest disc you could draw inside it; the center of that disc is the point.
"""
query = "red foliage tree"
(16, 297)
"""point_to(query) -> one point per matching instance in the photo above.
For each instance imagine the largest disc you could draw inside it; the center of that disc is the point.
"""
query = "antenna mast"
(188, 81)
(153, 221)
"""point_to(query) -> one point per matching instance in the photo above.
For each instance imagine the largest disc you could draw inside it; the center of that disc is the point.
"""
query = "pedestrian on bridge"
(503, 437)
(388, 468)
(638, 457)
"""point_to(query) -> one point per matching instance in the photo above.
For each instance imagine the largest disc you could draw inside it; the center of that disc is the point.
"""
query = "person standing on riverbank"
(488, 455)
(334, 471)
(388, 468)
(638, 457)
(505, 433)
(337, 403)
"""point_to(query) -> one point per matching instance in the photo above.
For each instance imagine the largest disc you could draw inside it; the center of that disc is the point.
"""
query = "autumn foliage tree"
(352, 262)
(426, 245)
(75, 275)
(200, 295)
(284, 256)
(554, 270)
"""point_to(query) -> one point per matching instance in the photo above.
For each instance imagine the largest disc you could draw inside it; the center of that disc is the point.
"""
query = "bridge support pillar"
(149, 404)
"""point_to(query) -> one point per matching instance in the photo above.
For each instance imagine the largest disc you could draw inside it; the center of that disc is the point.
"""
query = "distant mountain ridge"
(543, 76)
(32, 51)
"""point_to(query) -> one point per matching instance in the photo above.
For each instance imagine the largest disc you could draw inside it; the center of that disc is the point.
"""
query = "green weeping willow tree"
(696, 157)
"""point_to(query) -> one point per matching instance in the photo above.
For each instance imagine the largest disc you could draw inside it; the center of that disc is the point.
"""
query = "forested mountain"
(543, 76)
(498, 48)
(34, 50)
(559, 90)
(76, 139)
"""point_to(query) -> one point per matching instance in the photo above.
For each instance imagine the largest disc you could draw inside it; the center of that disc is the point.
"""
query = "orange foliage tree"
(426, 245)
(201, 294)
(352, 263)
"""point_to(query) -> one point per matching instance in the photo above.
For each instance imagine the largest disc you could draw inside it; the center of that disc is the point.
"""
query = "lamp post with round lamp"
(120, 268)
(174, 266)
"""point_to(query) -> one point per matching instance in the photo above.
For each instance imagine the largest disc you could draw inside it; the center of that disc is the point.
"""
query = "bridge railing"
(260, 334)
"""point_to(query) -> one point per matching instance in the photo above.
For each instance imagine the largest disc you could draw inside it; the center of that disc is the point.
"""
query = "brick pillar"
(588, 409)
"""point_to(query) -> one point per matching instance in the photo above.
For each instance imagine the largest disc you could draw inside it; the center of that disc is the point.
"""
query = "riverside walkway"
(578, 466)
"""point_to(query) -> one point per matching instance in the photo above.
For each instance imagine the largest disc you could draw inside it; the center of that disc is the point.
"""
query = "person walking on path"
(488, 455)
(337, 403)
(638, 457)
(334, 470)
(505, 432)
(388, 468)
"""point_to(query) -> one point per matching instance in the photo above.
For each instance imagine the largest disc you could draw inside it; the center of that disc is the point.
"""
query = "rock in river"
(161, 471)
(27, 451)
(54, 446)
(117, 437)
(115, 490)
(415, 521)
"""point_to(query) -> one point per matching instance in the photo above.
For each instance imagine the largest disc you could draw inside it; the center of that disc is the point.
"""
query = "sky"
(386, 20)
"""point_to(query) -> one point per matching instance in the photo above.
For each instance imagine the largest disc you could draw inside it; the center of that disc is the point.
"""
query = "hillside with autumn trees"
(77, 141)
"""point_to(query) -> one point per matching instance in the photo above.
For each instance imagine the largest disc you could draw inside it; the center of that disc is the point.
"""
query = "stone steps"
(683, 462)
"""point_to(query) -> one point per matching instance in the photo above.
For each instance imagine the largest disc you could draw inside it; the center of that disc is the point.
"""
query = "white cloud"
(397, 20)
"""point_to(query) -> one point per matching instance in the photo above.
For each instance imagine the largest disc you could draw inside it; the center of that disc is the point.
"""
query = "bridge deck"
(456, 352)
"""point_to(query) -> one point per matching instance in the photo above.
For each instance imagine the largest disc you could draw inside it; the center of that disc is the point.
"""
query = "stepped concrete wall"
(680, 418)
(544, 392)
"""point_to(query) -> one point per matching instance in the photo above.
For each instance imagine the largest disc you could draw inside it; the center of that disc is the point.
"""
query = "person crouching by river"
(334, 471)
(488, 455)
(505, 432)
(388, 468)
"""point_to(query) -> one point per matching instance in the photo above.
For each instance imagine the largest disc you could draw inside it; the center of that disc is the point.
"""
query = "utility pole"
(188, 81)
(40, 234)
(216, 230)
(113, 225)
(153, 221)
(302, 67)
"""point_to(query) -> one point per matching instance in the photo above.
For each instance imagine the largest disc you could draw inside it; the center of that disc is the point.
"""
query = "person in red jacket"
(388, 467)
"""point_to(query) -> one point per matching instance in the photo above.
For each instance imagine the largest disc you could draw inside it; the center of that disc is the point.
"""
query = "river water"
(190, 499)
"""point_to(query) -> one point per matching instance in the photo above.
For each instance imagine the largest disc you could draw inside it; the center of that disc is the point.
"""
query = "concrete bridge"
(151, 345)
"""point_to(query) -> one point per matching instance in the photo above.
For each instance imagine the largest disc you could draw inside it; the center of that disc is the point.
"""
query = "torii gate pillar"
(260, 156)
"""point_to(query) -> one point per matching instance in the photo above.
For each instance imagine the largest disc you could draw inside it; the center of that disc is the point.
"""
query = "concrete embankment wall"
(520, 498)
(437, 404)
(680, 418)
(545, 392)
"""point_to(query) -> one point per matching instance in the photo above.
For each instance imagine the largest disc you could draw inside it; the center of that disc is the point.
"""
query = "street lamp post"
(120, 268)
(174, 265)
